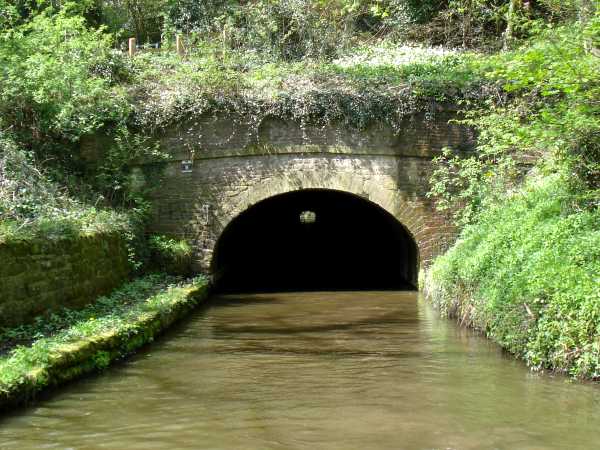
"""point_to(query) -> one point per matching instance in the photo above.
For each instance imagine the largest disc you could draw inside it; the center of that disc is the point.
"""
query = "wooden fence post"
(179, 45)
(132, 46)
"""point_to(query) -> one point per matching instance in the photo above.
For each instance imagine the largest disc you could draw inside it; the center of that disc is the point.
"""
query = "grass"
(527, 273)
(67, 223)
(32, 205)
(68, 344)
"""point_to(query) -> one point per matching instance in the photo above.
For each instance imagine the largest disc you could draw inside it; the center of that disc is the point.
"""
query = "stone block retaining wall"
(37, 277)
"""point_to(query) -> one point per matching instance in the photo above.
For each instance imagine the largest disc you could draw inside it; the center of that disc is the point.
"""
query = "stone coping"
(75, 359)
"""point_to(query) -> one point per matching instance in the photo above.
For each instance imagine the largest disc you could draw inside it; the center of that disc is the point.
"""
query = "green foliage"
(293, 29)
(120, 302)
(115, 179)
(526, 268)
(552, 117)
(142, 19)
(189, 16)
(561, 9)
(30, 350)
(418, 11)
(59, 83)
(52, 87)
(32, 205)
(129, 190)
(527, 274)
(320, 62)
(170, 255)
(465, 186)
(372, 84)
(101, 360)
(61, 80)
(8, 15)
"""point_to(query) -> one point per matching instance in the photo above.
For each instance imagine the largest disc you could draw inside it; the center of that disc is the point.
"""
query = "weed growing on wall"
(369, 85)
(170, 255)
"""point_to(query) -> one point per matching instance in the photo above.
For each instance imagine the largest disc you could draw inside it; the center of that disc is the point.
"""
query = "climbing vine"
(371, 86)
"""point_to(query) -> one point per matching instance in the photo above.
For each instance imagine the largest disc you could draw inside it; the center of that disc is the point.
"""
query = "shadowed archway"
(315, 239)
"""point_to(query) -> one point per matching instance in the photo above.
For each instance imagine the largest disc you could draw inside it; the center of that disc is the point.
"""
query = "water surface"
(334, 371)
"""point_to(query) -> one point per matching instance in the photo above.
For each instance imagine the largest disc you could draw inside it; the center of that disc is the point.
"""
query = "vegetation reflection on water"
(346, 370)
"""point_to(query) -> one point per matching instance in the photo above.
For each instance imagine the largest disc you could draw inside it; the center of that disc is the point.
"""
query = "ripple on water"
(335, 371)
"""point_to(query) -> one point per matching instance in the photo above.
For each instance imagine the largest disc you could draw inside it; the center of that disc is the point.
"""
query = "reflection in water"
(335, 371)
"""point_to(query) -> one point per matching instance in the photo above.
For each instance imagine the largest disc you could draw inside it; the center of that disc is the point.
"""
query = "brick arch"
(378, 190)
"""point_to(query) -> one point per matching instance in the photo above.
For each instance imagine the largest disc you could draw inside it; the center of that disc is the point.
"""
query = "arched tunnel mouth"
(315, 239)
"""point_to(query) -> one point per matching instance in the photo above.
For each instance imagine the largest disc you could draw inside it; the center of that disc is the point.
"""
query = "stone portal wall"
(236, 165)
(41, 276)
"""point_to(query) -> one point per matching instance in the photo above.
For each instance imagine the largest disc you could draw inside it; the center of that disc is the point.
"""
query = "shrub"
(170, 255)
(52, 87)
(31, 204)
(526, 273)
(549, 116)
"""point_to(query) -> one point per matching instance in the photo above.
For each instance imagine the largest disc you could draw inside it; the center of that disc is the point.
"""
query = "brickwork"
(235, 168)
(41, 276)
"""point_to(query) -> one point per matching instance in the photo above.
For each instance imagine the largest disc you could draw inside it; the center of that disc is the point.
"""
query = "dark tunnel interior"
(315, 240)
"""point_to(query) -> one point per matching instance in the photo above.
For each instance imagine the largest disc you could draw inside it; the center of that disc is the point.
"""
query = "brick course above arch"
(230, 175)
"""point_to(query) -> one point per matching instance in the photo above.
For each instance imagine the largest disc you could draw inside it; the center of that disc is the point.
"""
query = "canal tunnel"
(315, 240)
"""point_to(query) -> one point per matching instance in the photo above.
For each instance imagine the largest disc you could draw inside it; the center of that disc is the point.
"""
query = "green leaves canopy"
(55, 75)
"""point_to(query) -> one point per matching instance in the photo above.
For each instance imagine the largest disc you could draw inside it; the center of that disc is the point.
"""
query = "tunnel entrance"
(315, 240)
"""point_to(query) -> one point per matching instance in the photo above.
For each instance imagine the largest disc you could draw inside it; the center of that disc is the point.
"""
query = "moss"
(91, 344)
(39, 276)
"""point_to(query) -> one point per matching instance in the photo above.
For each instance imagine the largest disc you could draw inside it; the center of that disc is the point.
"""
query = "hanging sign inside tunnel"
(307, 217)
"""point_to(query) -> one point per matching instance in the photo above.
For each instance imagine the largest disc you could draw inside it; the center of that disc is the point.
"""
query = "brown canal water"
(334, 371)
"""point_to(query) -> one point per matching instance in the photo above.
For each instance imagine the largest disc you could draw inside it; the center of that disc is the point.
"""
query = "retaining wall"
(37, 277)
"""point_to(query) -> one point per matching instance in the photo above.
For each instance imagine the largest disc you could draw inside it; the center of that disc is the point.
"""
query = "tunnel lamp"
(307, 217)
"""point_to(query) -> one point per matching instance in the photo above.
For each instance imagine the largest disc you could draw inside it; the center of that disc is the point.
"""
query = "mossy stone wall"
(37, 277)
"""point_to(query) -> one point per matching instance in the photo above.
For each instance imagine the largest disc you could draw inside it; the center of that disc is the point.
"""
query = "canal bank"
(314, 371)
(73, 343)
(527, 275)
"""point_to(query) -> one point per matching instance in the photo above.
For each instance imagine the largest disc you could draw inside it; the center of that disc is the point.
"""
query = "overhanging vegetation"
(524, 73)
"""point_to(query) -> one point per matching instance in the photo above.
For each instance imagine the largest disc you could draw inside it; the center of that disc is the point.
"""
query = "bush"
(288, 29)
(527, 273)
(56, 80)
(549, 115)
(296, 29)
(170, 255)
(31, 204)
